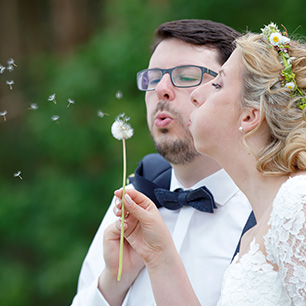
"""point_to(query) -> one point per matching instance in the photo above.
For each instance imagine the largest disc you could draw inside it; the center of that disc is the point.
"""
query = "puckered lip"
(162, 119)
(162, 116)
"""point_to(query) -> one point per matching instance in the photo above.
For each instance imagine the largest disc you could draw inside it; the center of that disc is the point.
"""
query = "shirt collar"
(220, 185)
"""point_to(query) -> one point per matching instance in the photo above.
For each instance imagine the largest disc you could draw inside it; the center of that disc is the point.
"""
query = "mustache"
(164, 106)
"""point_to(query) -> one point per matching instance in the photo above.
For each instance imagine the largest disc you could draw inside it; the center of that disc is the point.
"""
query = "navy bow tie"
(200, 199)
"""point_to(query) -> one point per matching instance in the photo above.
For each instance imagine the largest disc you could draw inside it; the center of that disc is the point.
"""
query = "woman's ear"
(250, 119)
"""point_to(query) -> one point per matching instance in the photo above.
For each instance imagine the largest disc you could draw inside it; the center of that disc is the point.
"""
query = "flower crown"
(281, 43)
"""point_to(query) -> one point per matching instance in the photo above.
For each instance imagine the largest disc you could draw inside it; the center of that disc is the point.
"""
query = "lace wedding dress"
(251, 280)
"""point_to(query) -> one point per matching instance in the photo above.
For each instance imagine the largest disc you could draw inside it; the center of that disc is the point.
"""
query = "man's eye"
(154, 81)
(216, 85)
(187, 78)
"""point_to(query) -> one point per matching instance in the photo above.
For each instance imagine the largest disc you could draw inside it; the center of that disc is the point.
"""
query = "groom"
(185, 54)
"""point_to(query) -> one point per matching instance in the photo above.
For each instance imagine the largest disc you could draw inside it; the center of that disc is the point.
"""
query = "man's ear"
(250, 119)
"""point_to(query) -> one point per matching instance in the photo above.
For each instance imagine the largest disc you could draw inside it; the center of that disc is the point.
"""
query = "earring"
(241, 129)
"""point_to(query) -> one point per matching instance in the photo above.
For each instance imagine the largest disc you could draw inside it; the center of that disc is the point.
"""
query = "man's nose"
(165, 88)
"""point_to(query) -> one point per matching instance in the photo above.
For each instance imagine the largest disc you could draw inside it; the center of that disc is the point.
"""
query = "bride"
(252, 120)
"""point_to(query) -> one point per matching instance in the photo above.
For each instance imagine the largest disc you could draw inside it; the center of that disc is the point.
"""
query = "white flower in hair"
(269, 29)
(290, 86)
(281, 42)
(285, 40)
(276, 39)
(290, 59)
(121, 129)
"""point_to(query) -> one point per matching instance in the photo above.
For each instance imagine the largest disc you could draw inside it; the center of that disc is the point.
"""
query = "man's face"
(169, 107)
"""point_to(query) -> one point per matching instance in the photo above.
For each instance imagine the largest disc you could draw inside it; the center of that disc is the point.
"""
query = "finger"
(117, 209)
(118, 225)
(119, 214)
(112, 232)
(118, 202)
(135, 210)
(138, 198)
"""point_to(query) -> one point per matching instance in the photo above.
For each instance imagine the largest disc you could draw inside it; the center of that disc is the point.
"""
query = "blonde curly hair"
(286, 152)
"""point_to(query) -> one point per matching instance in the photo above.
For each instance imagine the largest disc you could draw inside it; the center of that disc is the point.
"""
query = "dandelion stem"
(122, 211)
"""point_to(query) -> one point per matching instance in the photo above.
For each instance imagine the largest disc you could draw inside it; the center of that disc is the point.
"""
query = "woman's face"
(215, 122)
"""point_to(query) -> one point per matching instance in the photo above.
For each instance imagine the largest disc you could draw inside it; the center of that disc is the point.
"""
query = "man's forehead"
(173, 52)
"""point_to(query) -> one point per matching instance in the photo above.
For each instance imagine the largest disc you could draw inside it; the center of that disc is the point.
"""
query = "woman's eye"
(216, 85)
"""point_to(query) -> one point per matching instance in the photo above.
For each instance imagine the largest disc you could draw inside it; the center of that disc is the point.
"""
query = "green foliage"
(71, 168)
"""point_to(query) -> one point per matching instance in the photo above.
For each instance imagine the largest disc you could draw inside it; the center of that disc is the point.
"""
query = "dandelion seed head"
(119, 95)
(121, 129)
(55, 117)
(71, 101)
(3, 113)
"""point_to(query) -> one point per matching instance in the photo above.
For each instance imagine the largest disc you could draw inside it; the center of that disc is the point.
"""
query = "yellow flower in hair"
(275, 39)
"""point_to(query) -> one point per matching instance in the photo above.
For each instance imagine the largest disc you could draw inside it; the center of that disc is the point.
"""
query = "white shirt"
(206, 243)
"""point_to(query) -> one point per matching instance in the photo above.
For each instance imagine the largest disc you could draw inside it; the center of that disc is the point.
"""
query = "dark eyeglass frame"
(170, 70)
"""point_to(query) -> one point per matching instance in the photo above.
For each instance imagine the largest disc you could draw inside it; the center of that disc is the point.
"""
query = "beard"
(175, 150)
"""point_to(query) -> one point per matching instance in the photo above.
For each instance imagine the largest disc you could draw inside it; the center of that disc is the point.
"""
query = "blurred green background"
(87, 51)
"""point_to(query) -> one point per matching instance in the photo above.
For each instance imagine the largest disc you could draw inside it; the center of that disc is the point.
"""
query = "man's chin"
(176, 151)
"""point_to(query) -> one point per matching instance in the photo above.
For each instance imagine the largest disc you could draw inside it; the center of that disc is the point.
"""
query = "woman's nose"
(200, 94)
(195, 97)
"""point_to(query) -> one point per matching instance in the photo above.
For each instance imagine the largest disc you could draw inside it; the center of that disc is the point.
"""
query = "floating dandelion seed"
(2, 68)
(10, 68)
(11, 62)
(52, 98)
(119, 95)
(55, 118)
(3, 114)
(70, 101)
(33, 106)
(101, 114)
(122, 130)
(10, 83)
(18, 174)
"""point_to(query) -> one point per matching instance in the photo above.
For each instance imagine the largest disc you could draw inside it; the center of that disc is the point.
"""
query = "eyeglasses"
(181, 76)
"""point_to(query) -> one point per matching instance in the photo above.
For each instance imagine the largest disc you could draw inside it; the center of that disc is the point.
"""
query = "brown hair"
(199, 32)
